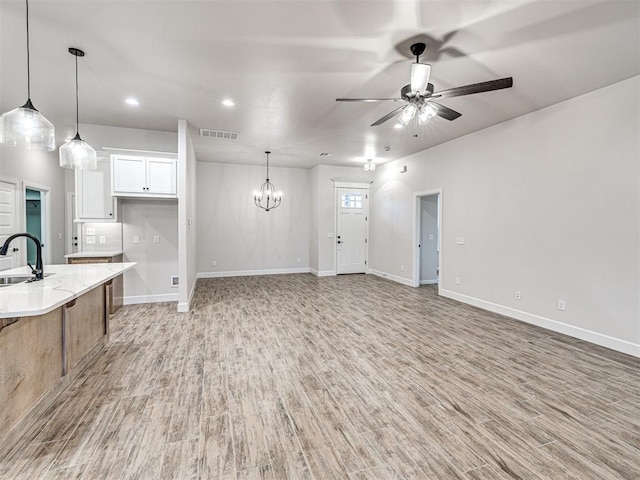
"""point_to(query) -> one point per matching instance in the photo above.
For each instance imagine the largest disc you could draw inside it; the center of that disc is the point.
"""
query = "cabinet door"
(93, 193)
(129, 175)
(161, 176)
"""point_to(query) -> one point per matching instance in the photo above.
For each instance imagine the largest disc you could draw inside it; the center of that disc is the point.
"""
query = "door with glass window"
(351, 235)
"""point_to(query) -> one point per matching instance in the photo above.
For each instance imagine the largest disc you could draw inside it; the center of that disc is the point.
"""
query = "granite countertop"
(62, 283)
(93, 254)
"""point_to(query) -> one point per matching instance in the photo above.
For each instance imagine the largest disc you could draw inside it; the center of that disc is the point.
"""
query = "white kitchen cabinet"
(93, 194)
(135, 176)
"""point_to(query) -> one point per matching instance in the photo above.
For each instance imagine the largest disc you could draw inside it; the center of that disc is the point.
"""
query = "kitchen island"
(49, 331)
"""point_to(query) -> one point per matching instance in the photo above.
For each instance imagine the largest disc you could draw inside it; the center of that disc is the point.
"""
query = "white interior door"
(8, 225)
(351, 235)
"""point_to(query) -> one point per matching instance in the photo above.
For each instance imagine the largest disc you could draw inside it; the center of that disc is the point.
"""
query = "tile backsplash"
(101, 237)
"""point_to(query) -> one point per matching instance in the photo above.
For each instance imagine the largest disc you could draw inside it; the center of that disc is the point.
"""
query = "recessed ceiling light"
(132, 101)
(398, 125)
(227, 102)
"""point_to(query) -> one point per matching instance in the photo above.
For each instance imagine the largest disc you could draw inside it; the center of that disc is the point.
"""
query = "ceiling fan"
(419, 95)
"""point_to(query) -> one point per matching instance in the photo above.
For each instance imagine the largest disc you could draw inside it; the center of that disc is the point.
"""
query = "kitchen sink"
(13, 280)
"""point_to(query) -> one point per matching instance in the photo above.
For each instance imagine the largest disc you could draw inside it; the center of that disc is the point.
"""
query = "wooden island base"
(41, 355)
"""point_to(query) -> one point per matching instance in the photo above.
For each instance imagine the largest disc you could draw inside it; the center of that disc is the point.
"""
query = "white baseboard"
(184, 307)
(323, 273)
(395, 278)
(553, 325)
(247, 273)
(429, 282)
(164, 297)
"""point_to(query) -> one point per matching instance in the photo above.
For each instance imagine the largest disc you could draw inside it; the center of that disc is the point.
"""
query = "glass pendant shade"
(408, 114)
(26, 127)
(427, 112)
(77, 153)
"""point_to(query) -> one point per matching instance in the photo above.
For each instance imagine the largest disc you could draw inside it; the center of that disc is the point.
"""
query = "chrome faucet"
(38, 271)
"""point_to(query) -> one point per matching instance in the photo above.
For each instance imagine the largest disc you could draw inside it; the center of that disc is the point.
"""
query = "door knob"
(339, 241)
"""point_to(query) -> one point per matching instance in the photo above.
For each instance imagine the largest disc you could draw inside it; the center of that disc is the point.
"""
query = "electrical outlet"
(518, 295)
(136, 239)
(91, 231)
(175, 281)
(457, 280)
(214, 264)
(402, 268)
(562, 305)
(156, 239)
(91, 239)
(460, 240)
(298, 260)
(431, 236)
(102, 239)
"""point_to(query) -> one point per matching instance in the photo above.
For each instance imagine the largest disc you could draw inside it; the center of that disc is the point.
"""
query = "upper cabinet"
(134, 176)
(93, 193)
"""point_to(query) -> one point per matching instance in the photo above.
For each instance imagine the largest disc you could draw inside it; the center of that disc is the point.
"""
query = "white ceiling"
(285, 62)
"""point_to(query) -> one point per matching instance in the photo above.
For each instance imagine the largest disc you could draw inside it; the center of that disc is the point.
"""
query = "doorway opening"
(36, 221)
(428, 223)
(33, 213)
(352, 228)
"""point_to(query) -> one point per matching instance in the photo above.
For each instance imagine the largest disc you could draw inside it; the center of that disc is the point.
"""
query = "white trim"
(395, 278)
(553, 325)
(132, 150)
(339, 184)
(161, 297)
(45, 219)
(322, 273)
(429, 282)
(249, 273)
(185, 307)
(416, 232)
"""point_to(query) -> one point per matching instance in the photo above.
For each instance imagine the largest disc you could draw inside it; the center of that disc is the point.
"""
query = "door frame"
(358, 185)
(20, 218)
(45, 217)
(70, 222)
(417, 197)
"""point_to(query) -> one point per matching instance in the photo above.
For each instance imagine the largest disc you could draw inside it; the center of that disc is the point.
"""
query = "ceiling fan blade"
(475, 88)
(446, 112)
(420, 73)
(367, 99)
(388, 116)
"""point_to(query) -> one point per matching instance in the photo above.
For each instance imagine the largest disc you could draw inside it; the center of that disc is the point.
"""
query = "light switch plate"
(136, 239)
(156, 239)
(102, 239)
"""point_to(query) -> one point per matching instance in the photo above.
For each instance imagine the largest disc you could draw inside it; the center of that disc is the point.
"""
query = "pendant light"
(77, 153)
(25, 126)
(268, 197)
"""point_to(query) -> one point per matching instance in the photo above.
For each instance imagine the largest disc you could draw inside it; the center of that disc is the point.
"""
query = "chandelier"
(268, 197)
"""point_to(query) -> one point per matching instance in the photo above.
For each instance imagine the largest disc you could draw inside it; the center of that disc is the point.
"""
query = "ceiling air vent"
(204, 132)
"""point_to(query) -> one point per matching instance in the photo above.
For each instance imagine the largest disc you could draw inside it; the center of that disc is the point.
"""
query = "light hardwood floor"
(350, 377)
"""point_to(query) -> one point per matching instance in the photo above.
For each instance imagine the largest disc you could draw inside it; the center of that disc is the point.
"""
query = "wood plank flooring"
(350, 377)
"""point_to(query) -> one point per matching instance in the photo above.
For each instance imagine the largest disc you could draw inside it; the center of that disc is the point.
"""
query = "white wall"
(150, 280)
(548, 204)
(41, 168)
(429, 239)
(240, 237)
(187, 239)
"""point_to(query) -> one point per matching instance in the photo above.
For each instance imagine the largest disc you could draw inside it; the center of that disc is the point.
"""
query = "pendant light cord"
(77, 101)
(28, 56)
(267, 164)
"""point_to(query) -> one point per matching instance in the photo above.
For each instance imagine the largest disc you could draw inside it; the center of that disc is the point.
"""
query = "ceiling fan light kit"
(419, 95)
(77, 153)
(25, 126)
